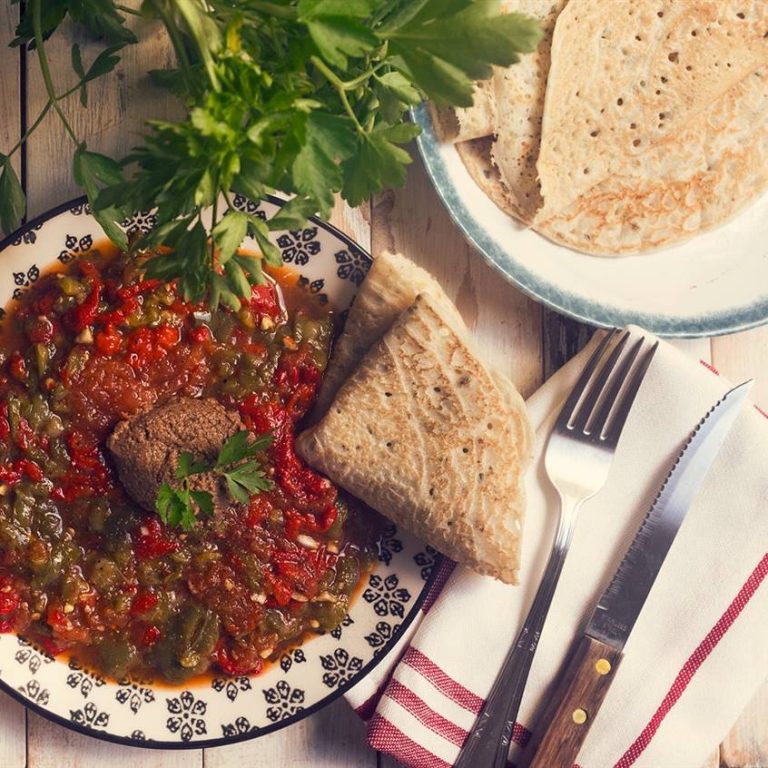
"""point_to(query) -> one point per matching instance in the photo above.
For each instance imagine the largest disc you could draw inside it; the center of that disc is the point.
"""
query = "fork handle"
(487, 744)
(574, 704)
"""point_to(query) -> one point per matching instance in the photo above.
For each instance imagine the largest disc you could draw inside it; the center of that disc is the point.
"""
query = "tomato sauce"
(85, 570)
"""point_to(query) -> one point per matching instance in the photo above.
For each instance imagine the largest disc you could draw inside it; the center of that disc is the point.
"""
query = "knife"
(596, 656)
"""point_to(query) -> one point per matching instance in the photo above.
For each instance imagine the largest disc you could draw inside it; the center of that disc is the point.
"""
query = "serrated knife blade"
(620, 605)
(597, 653)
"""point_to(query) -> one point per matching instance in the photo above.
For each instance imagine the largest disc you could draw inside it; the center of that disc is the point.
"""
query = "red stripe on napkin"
(415, 659)
(520, 734)
(368, 707)
(388, 738)
(696, 659)
(407, 699)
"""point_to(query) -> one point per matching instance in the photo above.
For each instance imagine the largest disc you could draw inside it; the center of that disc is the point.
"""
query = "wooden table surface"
(519, 336)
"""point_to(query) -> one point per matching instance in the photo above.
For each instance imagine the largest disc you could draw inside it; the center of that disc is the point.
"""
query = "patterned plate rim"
(581, 308)
(263, 731)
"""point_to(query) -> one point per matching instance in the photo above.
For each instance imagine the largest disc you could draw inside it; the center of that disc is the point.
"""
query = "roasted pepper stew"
(84, 570)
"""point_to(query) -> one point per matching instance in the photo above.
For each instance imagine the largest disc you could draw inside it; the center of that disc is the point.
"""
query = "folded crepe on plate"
(518, 96)
(454, 124)
(425, 434)
(498, 137)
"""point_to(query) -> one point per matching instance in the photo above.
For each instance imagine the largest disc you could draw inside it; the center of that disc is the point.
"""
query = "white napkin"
(698, 651)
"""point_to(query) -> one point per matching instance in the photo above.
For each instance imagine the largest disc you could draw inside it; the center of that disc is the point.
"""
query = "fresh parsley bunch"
(303, 97)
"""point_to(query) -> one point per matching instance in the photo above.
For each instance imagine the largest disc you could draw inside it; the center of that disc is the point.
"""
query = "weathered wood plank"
(51, 746)
(563, 338)
(746, 746)
(354, 222)
(10, 87)
(505, 323)
(333, 738)
(118, 106)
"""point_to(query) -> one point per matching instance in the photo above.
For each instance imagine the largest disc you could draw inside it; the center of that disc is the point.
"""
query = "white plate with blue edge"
(220, 710)
(716, 283)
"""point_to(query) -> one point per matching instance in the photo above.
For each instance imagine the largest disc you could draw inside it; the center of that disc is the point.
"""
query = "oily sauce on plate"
(84, 570)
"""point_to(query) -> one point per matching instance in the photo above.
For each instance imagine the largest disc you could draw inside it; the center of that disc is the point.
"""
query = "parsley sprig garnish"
(180, 506)
(303, 97)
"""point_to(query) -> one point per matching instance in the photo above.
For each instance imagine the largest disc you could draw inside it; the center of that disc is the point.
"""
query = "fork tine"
(595, 389)
(566, 412)
(614, 388)
(613, 432)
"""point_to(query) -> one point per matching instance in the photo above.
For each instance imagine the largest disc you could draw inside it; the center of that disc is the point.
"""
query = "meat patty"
(146, 447)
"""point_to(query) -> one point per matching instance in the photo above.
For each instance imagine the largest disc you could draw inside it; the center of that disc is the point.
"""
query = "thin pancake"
(421, 432)
(390, 287)
(466, 123)
(518, 94)
(626, 74)
(690, 182)
(476, 156)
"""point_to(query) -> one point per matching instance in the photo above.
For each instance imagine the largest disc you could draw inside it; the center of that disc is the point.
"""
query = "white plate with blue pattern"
(220, 710)
(713, 284)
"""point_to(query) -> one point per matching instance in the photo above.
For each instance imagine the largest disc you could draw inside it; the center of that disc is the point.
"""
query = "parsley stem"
(39, 119)
(189, 13)
(185, 67)
(45, 69)
(340, 87)
(127, 9)
(274, 9)
(214, 216)
(350, 85)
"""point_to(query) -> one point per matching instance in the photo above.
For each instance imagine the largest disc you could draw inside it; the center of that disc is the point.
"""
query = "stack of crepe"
(410, 421)
(636, 123)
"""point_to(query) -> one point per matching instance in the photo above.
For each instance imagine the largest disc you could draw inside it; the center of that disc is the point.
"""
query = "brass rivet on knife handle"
(579, 716)
(581, 689)
(602, 666)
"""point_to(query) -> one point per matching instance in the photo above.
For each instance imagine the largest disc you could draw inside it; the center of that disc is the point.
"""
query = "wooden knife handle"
(575, 703)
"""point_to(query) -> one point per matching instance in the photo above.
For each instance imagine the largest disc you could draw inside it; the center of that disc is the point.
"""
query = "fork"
(578, 457)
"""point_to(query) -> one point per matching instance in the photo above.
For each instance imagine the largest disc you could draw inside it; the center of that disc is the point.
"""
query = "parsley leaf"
(229, 233)
(444, 49)
(181, 505)
(173, 507)
(378, 163)
(91, 170)
(245, 480)
(204, 502)
(188, 465)
(12, 200)
(238, 448)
